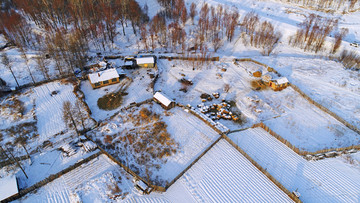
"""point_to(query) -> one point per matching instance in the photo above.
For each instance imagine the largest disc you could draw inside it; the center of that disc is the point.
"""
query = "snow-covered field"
(138, 89)
(306, 126)
(95, 181)
(193, 136)
(326, 82)
(222, 175)
(48, 162)
(49, 107)
(328, 180)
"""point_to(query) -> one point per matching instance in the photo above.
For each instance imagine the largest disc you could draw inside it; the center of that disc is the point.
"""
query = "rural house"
(104, 78)
(8, 187)
(164, 101)
(279, 84)
(146, 62)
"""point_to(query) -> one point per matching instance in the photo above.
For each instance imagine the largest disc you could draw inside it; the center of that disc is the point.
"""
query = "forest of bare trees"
(328, 5)
(259, 34)
(312, 33)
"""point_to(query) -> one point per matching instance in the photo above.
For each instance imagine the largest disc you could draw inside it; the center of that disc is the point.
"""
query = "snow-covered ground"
(223, 174)
(326, 82)
(49, 107)
(95, 181)
(138, 89)
(193, 136)
(328, 180)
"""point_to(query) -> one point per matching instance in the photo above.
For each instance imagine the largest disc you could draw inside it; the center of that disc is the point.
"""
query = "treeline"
(68, 29)
(312, 34)
(328, 5)
(260, 34)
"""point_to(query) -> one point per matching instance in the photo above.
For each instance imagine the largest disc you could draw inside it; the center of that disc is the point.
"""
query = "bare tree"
(69, 116)
(24, 56)
(42, 66)
(7, 63)
(338, 39)
(192, 11)
(22, 140)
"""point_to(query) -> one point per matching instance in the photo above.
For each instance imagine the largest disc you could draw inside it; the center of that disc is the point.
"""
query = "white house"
(8, 187)
(147, 62)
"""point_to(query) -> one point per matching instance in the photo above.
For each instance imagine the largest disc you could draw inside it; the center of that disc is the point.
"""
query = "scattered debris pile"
(218, 111)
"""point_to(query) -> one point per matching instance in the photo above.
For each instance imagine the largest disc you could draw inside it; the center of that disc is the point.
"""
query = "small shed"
(146, 62)
(129, 62)
(104, 78)
(279, 84)
(257, 73)
(8, 187)
(164, 101)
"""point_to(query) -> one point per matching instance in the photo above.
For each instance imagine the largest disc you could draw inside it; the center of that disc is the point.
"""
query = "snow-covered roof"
(128, 63)
(103, 75)
(144, 60)
(282, 80)
(102, 64)
(8, 187)
(162, 98)
(142, 185)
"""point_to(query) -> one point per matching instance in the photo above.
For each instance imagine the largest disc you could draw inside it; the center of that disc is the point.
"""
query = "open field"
(185, 138)
(221, 175)
(93, 181)
(326, 180)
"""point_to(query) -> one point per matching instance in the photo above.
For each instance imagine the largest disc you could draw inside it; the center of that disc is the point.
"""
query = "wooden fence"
(264, 171)
(302, 152)
(192, 163)
(190, 58)
(326, 110)
(50, 178)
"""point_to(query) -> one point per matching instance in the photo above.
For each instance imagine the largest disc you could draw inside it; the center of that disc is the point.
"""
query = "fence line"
(297, 150)
(190, 58)
(326, 110)
(194, 162)
(50, 178)
(264, 171)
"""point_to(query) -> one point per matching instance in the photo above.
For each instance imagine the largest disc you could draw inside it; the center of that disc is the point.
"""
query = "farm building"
(164, 101)
(129, 62)
(104, 78)
(8, 187)
(146, 62)
(279, 84)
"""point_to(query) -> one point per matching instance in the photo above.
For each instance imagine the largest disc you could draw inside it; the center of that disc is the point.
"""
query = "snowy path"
(327, 180)
(49, 108)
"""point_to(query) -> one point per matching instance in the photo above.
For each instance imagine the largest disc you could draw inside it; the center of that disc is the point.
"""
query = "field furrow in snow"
(224, 175)
(49, 107)
(87, 171)
(321, 181)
